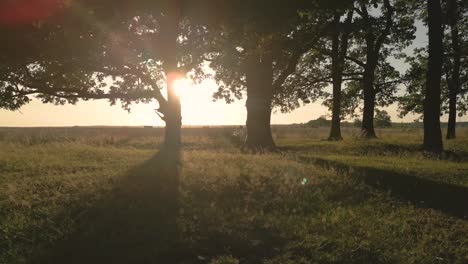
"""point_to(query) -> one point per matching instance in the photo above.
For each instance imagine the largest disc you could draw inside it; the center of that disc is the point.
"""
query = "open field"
(93, 195)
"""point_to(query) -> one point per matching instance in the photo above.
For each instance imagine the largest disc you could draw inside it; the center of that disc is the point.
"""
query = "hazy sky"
(198, 108)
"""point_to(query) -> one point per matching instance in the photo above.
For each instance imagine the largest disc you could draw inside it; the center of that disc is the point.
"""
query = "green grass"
(97, 196)
(397, 151)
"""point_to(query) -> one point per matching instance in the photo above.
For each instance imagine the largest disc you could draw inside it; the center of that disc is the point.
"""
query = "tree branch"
(357, 61)
(388, 26)
(294, 60)
(135, 72)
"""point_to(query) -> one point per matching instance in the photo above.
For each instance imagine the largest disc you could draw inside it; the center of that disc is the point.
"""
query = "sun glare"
(181, 86)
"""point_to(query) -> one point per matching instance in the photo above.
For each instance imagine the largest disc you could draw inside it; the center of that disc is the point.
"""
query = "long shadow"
(381, 149)
(425, 193)
(136, 224)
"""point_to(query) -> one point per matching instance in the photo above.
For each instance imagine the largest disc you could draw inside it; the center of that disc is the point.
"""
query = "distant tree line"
(279, 54)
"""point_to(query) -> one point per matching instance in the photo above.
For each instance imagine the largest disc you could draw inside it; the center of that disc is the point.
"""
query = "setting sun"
(181, 86)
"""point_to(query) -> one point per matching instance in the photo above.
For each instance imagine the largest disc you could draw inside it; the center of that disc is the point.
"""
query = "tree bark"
(454, 79)
(259, 80)
(432, 132)
(367, 130)
(173, 118)
(339, 50)
(172, 110)
(452, 118)
(335, 131)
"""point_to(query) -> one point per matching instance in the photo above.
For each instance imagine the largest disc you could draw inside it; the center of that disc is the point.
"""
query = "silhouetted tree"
(340, 38)
(373, 30)
(382, 118)
(53, 67)
(454, 99)
(453, 78)
(383, 26)
(255, 52)
(116, 50)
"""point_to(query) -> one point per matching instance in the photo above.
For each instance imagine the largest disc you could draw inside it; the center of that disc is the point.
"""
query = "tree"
(319, 122)
(338, 54)
(454, 99)
(47, 64)
(453, 78)
(256, 52)
(378, 29)
(322, 62)
(112, 50)
(432, 133)
(377, 37)
(382, 119)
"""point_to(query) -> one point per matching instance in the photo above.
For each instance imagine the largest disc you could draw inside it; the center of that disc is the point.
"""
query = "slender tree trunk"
(454, 79)
(432, 133)
(259, 79)
(373, 45)
(367, 130)
(337, 74)
(339, 50)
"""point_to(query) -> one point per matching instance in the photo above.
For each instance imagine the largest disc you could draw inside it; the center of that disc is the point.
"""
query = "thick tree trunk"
(454, 79)
(367, 130)
(173, 118)
(259, 80)
(172, 110)
(432, 133)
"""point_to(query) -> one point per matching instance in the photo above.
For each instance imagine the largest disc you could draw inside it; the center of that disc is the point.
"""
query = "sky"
(198, 108)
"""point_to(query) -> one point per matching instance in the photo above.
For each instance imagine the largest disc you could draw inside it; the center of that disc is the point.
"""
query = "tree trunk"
(337, 73)
(172, 114)
(373, 45)
(173, 118)
(259, 80)
(339, 50)
(432, 133)
(335, 131)
(454, 79)
(367, 130)
(452, 118)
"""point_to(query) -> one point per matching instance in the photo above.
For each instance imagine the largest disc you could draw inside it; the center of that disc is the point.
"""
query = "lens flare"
(181, 86)
(28, 11)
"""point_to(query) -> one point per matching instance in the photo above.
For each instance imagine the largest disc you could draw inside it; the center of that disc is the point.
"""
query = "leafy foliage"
(382, 118)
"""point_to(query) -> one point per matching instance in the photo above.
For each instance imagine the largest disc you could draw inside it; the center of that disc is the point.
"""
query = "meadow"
(93, 195)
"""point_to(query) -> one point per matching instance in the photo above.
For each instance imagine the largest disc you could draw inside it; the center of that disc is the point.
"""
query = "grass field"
(93, 195)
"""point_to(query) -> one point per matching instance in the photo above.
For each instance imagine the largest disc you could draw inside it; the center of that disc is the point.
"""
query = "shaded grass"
(135, 223)
(44, 190)
(398, 152)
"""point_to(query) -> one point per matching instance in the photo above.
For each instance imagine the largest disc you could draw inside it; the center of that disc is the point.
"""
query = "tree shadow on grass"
(378, 149)
(425, 193)
(139, 223)
(136, 224)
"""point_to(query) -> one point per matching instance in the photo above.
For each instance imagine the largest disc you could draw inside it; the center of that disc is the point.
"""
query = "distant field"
(91, 195)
